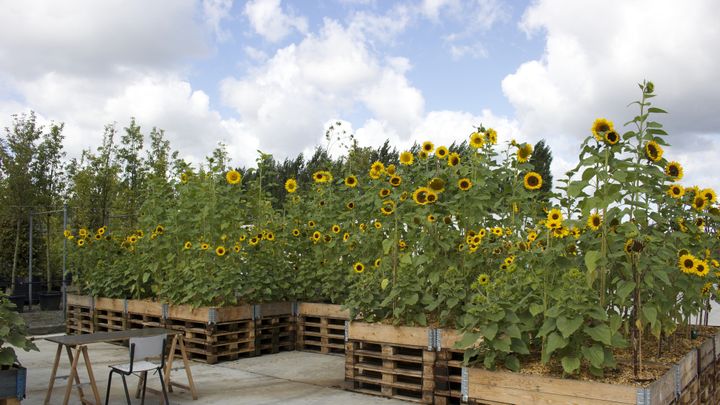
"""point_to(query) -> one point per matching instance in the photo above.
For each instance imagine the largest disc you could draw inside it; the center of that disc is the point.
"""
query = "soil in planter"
(674, 348)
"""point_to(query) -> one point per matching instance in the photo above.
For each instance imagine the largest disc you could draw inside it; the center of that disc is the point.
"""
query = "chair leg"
(127, 394)
(162, 385)
(144, 384)
(107, 394)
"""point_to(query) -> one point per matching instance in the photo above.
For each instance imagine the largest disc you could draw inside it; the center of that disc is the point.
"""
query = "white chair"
(141, 348)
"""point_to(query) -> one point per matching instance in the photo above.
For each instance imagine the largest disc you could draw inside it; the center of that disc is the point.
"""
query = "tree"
(541, 160)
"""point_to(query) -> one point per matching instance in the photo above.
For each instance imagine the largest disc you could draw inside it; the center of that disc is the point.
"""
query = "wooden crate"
(390, 361)
(448, 367)
(144, 314)
(80, 318)
(692, 381)
(274, 328)
(213, 335)
(321, 328)
(109, 314)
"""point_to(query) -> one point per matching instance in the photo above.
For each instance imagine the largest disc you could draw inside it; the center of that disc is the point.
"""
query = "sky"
(272, 75)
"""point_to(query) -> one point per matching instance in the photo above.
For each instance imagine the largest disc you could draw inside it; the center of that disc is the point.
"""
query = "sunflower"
(560, 232)
(406, 158)
(427, 147)
(270, 236)
(441, 152)
(220, 251)
(242, 238)
(233, 177)
(103, 229)
(447, 219)
(402, 244)
(83, 232)
(81, 242)
(383, 192)
(700, 223)
(322, 176)
(555, 215)
(346, 236)
(351, 181)
(374, 174)
(701, 268)
(362, 227)
(477, 140)
(132, 238)
(674, 170)
(358, 267)
(699, 202)
(653, 151)
(377, 262)
(254, 241)
(509, 260)
(628, 246)
(575, 232)
(204, 246)
(600, 127)
(431, 218)
(377, 225)
(497, 231)
(99, 236)
(311, 224)
(327, 238)
(676, 191)
(140, 234)
(523, 153)
(395, 180)
(454, 159)
(594, 221)
(709, 195)
(532, 181)
(532, 235)
(296, 232)
(68, 234)
(483, 279)
(290, 185)
(184, 178)
(316, 236)
(378, 166)
(491, 136)
(336, 228)
(431, 197)
(390, 169)
(482, 233)
(464, 184)
(552, 225)
(612, 137)
(437, 185)
(350, 205)
(706, 288)
(420, 195)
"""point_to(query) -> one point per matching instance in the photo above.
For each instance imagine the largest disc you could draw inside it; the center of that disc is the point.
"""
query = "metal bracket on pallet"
(431, 339)
(643, 396)
(165, 311)
(212, 316)
(438, 340)
(125, 306)
(464, 383)
(295, 308)
(92, 305)
(678, 388)
(257, 312)
(347, 330)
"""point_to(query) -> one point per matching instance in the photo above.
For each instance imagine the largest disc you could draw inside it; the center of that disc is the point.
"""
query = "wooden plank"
(275, 308)
(323, 310)
(399, 335)
(448, 337)
(662, 391)
(688, 369)
(79, 300)
(531, 389)
(145, 307)
(111, 304)
(234, 313)
(706, 353)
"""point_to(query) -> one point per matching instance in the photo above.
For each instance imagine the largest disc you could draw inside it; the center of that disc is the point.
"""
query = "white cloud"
(270, 21)
(590, 71)
(215, 12)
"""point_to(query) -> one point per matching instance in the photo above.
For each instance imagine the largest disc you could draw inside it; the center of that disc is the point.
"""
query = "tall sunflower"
(441, 152)
(674, 170)
(709, 195)
(428, 147)
(676, 191)
(291, 185)
(701, 268)
(653, 151)
(420, 195)
(477, 140)
(532, 181)
(454, 159)
(378, 166)
(612, 137)
(464, 184)
(220, 251)
(233, 177)
(406, 158)
(600, 127)
(395, 180)
(699, 202)
(358, 267)
(594, 221)
(491, 136)
(483, 279)
(686, 263)
(437, 185)
(523, 152)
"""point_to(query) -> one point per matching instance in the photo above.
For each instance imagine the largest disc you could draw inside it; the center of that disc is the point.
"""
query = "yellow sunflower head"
(454, 159)
(441, 152)
(395, 180)
(83, 232)
(220, 251)
(699, 202)
(204, 246)
(420, 195)
(311, 224)
(612, 137)
(653, 151)
(523, 152)
(374, 174)
(594, 221)
(296, 232)
(701, 268)
(346, 236)
(351, 181)
(427, 147)
(422, 154)
(555, 215)
(491, 136)
(102, 230)
(290, 185)
(336, 228)
(464, 184)
(377, 263)
(377, 225)
(676, 191)
(378, 166)
(532, 181)
(81, 242)
(431, 197)
(358, 267)
(483, 279)
(431, 218)
(350, 205)
(686, 263)
(600, 127)
(390, 169)
(709, 195)
(233, 177)
(674, 170)
(437, 185)
(184, 177)
(477, 140)
(406, 158)
(388, 207)
(383, 192)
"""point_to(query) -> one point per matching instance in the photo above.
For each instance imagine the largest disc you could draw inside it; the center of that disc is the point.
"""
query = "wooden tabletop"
(102, 337)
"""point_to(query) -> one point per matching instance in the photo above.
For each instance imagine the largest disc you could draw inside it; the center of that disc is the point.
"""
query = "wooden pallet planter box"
(274, 328)
(80, 317)
(692, 381)
(144, 314)
(213, 334)
(390, 361)
(109, 314)
(448, 368)
(321, 328)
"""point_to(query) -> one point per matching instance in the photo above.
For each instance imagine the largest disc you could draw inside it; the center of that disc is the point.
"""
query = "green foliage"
(12, 332)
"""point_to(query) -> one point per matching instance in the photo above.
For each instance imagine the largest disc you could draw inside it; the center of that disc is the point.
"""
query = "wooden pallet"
(79, 311)
(321, 328)
(109, 315)
(144, 314)
(212, 343)
(274, 334)
(448, 377)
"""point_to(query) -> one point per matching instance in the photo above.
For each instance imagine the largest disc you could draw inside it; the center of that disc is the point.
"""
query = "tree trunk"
(15, 256)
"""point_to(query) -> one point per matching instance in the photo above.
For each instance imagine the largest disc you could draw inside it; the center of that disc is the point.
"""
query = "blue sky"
(272, 74)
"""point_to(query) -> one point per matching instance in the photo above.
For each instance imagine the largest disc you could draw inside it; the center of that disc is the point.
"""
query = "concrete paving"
(293, 378)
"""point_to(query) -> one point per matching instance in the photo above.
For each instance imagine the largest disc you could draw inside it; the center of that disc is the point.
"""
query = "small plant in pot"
(13, 334)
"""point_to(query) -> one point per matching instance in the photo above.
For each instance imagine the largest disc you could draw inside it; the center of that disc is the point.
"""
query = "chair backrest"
(144, 347)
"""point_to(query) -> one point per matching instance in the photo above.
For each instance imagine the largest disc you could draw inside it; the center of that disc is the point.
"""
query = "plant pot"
(19, 301)
(50, 300)
(12, 383)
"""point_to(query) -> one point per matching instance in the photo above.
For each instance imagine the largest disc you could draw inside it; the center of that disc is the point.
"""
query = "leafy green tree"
(541, 160)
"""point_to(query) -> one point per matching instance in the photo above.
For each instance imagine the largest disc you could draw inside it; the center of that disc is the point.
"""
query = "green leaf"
(588, 174)
(7, 356)
(502, 344)
(570, 364)
(536, 309)
(405, 258)
(468, 340)
(512, 363)
(575, 188)
(553, 312)
(624, 289)
(650, 313)
(554, 342)
(656, 110)
(518, 346)
(547, 327)
(568, 326)
(600, 333)
(591, 259)
(490, 331)
(412, 299)
(595, 354)
(145, 277)
(513, 331)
